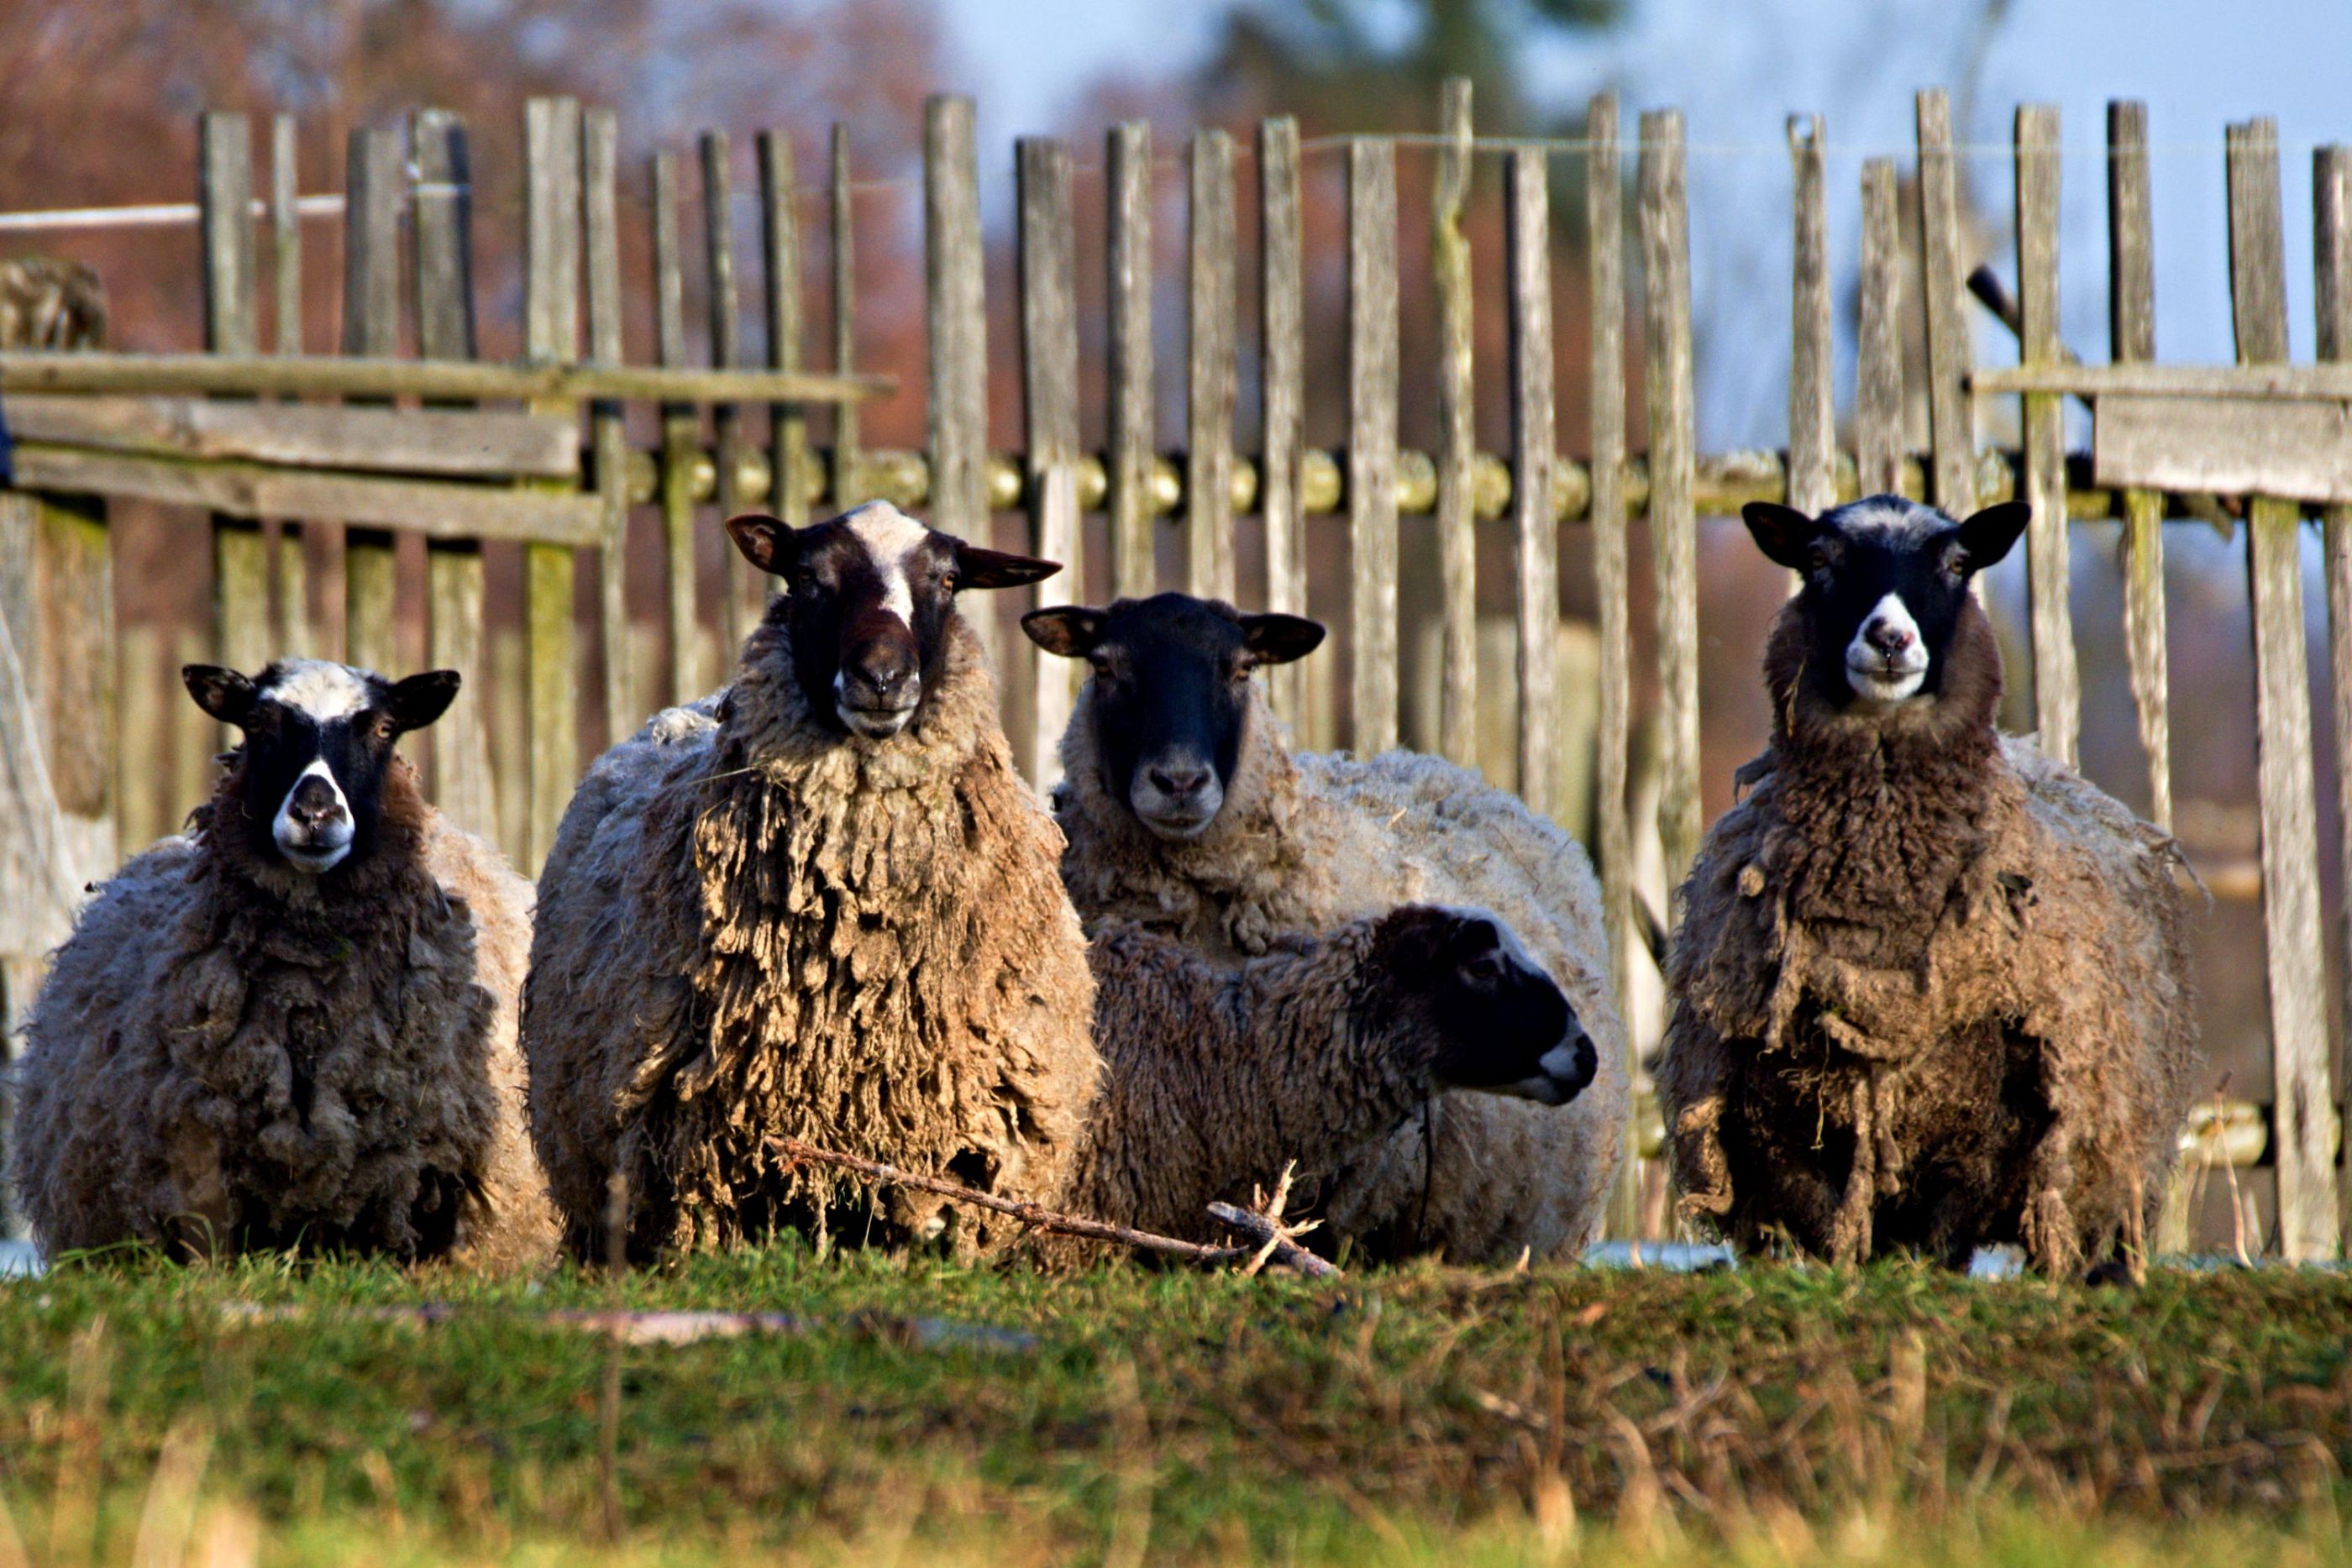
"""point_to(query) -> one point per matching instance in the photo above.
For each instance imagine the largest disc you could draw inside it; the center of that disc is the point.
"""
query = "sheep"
(293, 1027)
(1214, 1078)
(1186, 811)
(824, 905)
(1930, 992)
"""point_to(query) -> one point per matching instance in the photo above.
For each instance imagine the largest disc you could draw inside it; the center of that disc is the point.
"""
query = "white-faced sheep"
(1930, 992)
(294, 1027)
(1187, 812)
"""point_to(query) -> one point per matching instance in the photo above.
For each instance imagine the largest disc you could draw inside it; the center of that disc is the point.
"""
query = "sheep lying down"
(296, 1026)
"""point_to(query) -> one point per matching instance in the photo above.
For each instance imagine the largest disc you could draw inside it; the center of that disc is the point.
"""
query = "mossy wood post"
(693, 669)
(600, 179)
(2331, 185)
(58, 798)
(1282, 388)
(780, 261)
(1211, 372)
(1878, 352)
(1049, 375)
(1951, 421)
(1535, 446)
(372, 186)
(2057, 701)
(958, 337)
(744, 594)
(2131, 307)
(1813, 412)
(1127, 175)
(1373, 439)
(1605, 239)
(1457, 448)
(848, 484)
(1674, 519)
(2304, 1142)
(464, 786)
(241, 630)
(290, 583)
(551, 336)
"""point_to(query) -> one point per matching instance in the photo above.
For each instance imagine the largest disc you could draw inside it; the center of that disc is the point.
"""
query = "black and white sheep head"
(1169, 696)
(1885, 587)
(1497, 1021)
(319, 741)
(869, 597)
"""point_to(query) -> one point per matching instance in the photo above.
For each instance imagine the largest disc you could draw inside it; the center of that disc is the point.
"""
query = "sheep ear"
(1278, 638)
(978, 568)
(220, 692)
(766, 542)
(1782, 533)
(1071, 631)
(1987, 535)
(420, 699)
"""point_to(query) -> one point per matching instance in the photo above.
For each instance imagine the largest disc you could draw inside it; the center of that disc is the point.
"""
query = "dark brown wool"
(1930, 991)
(231, 1054)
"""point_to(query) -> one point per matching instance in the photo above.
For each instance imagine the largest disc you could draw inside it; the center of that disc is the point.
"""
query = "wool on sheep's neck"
(360, 900)
(1881, 815)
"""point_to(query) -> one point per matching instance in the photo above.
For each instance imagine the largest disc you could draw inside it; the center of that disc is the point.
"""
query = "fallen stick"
(1260, 1228)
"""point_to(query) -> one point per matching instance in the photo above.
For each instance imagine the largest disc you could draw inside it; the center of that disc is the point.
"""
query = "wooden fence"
(240, 431)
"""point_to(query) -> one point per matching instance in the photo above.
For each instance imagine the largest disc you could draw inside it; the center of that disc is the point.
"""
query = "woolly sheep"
(1930, 992)
(296, 1025)
(1186, 811)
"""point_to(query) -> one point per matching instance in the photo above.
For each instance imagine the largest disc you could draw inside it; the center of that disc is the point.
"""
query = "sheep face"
(1170, 696)
(1885, 586)
(1459, 978)
(869, 597)
(318, 740)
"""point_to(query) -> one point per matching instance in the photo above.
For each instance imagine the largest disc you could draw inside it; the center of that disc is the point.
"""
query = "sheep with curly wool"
(1187, 812)
(1930, 992)
(294, 1026)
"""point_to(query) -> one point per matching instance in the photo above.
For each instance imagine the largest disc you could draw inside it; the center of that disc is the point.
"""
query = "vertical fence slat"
(1604, 269)
(1049, 369)
(691, 672)
(1673, 522)
(1458, 436)
(552, 318)
(1128, 174)
(1209, 345)
(600, 180)
(1951, 421)
(1372, 438)
(1282, 390)
(2056, 695)
(463, 786)
(290, 602)
(2303, 1141)
(1534, 449)
(1812, 414)
(848, 483)
(1878, 353)
(959, 333)
(372, 189)
(2131, 304)
(780, 257)
(241, 631)
(2331, 184)
(744, 594)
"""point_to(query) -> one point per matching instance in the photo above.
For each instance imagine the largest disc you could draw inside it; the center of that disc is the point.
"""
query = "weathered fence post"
(1049, 374)
(1674, 519)
(241, 629)
(692, 669)
(2131, 307)
(1878, 352)
(551, 336)
(1128, 176)
(779, 253)
(2056, 700)
(373, 180)
(2303, 1140)
(743, 595)
(1373, 439)
(959, 333)
(2331, 183)
(600, 172)
(289, 576)
(848, 480)
(1210, 369)
(1952, 417)
(1604, 265)
(1282, 390)
(1812, 414)
(1457, 408)
(1534, 456)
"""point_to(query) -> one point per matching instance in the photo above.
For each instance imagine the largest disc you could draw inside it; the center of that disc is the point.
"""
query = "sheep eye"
(1101, 663)
(1485, 966)
(946, 583)
(1240, 672)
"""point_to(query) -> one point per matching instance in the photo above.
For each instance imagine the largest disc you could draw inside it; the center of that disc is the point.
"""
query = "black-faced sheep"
(1186, 812)
(829, 911)
(294, 1027)
(1930, 992)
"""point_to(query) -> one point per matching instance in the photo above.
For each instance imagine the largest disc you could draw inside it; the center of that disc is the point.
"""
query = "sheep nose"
(883, 674)
(314, 803)
(1179, 782)
(1887, 636)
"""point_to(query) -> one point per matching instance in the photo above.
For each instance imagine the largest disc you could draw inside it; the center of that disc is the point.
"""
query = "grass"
(1775, 1415)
